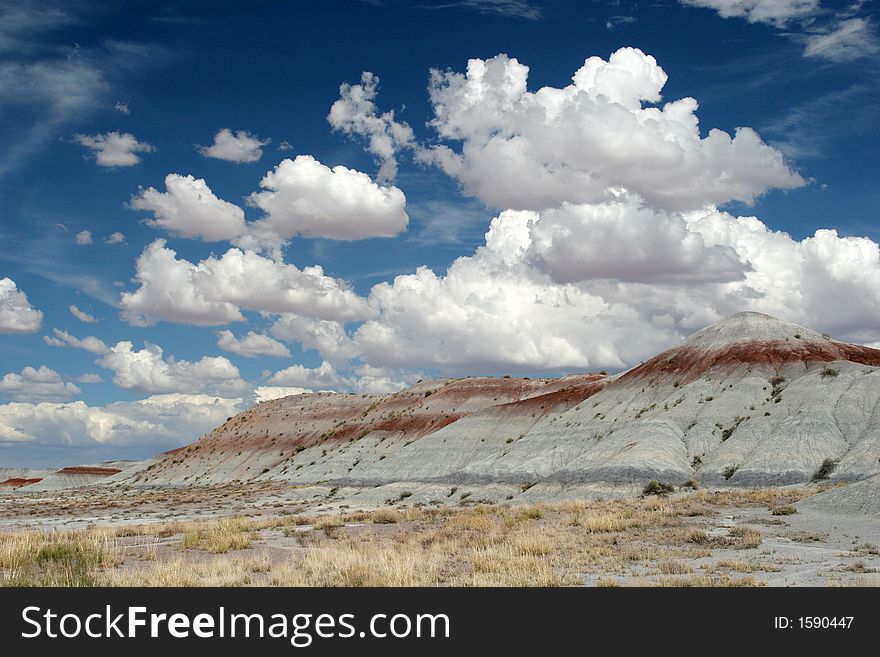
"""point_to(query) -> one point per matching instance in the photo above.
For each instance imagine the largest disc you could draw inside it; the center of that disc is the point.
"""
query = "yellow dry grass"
(609, 542)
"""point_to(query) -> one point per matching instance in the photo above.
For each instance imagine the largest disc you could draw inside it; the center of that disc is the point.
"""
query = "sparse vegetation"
(728, 432)
(785, 510)
(651, 540)
(828, 372)
(655, 487)
(219, 537)
(729, 471)
(776, 392)
(825, 470)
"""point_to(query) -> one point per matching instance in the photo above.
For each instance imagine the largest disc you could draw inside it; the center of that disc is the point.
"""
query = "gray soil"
(809, 548)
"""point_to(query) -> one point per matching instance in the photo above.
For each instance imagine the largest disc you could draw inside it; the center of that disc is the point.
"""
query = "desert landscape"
(747, 455)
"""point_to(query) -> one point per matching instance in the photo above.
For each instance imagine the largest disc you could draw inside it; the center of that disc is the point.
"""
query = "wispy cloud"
(50, 79)
(440, 222)
(850, 39)
(24, 24)
(805, 131)
(511, 8)
(840, 34)
(524, 9)
(617, 21)
(772, 12)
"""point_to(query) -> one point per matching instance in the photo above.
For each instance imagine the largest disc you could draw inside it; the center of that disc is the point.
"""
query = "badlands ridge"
(748, 401)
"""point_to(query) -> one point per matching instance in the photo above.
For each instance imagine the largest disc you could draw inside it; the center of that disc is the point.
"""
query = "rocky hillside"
(750, 400)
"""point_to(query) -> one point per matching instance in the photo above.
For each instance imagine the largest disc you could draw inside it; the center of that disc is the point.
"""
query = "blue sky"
(616, 227)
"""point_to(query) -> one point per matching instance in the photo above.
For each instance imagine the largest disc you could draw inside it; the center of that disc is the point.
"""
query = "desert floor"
(273, 534)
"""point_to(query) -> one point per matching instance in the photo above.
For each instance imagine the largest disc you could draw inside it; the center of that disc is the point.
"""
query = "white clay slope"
(750, 400)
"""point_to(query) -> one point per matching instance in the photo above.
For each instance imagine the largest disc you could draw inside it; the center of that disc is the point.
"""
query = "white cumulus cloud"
(16, 313)
(36, 384)
(239, 147)
(84, 237)
(321, 377)
(168, 420)
(114, 149)
(90, 343)
(300, 197)
(147, 370)
(251, 345)
(533, 150)
(625, 241)
(328, 337)
(268, 393)
(189, 208)
(304, 197)
(355, 113)
(215, 290)
(501, 307)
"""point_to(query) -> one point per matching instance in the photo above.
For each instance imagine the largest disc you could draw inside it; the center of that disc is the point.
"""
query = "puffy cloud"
(36, 384)
(239, 147)
(16, 313)
(328, 337)
(610, 247)
(81, 315)
(90, 378)
(122, 108)
(148, 371)
(355, 113)
(215, 290)
(625, 241)
(323, 376)
(773, 12)
(251, 345)
(268, 393)
(534, 150)
(299, 197)
(189, 208)
(115, 238)
(304, 197)
(174, 290)
(825, 281)
(500, 308)
(364, 379)
(64, 339)
(849, 39)
(381, 380)
(494, 311)
(114, 149)
(163, 421)
(84, 237)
